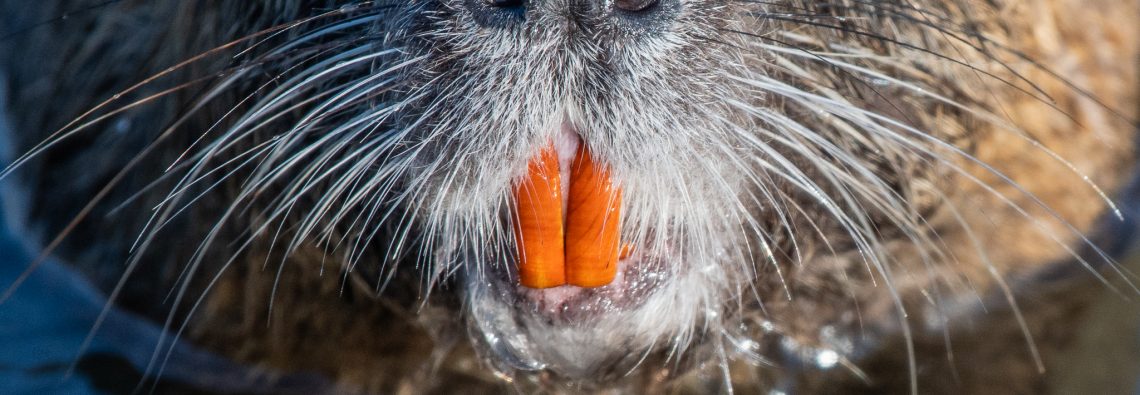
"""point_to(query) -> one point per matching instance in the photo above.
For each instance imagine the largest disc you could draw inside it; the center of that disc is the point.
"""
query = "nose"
(638, 6)
(505, 4)
(504, 13)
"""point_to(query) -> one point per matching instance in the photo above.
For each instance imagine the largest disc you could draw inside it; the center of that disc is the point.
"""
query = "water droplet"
(826, 359)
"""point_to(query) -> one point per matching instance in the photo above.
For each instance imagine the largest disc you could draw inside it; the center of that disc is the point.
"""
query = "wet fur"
(950, 163)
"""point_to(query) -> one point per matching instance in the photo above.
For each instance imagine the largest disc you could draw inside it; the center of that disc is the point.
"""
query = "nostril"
(498, 13)
(634, 5)
(643, 18)
(504, 3)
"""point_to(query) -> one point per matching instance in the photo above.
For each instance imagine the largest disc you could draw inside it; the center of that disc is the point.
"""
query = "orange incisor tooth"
(593, 223)
(538, 226)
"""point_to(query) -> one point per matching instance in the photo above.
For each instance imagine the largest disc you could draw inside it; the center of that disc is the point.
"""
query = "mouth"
(635, 280)
(571, 259)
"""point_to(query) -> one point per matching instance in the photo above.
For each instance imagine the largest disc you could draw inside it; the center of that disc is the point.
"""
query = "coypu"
(835, 196)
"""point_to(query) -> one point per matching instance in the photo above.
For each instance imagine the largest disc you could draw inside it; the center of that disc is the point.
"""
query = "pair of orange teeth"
(579, 248)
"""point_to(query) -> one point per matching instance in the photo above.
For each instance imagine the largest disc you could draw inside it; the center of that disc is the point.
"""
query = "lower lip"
(637, 277)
